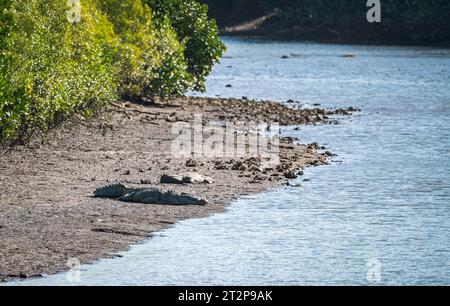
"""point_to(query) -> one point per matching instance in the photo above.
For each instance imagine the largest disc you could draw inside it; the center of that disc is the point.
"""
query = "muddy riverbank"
(48, 215)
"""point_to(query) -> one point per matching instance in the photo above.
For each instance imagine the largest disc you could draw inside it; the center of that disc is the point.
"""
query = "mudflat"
(47, 210)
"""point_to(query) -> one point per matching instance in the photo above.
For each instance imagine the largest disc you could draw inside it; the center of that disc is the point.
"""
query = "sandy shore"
(48, 215)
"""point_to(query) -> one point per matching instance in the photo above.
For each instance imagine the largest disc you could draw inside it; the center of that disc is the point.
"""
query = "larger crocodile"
(147, 195)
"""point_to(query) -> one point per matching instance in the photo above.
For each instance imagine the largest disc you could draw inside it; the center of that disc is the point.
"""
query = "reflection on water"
(381, 210)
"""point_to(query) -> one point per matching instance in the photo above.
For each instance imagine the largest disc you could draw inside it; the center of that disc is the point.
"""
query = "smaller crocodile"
(186, 178)
(147, 195)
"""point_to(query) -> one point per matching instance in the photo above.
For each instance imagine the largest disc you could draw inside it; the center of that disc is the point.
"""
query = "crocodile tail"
(111, 192)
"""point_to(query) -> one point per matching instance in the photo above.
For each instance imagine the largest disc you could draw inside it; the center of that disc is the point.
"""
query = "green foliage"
(190, 20)
(52, 69)
(172, 76)
(151, 59)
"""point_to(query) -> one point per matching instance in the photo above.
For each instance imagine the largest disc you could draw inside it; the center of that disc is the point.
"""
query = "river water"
(379, 214)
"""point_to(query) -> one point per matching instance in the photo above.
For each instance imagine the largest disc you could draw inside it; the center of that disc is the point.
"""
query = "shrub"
(52, 69)
(172, 76)
(190, 20)
(151, 60)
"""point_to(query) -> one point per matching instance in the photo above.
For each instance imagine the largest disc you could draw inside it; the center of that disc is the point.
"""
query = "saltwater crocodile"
(147, 195)
(186, 178)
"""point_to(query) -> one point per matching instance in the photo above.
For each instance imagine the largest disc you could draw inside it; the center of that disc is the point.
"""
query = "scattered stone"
(313, 147)
(290, 140)
(127, 172)
(329, 154)
(290, 175)
(171, 119)
(294, 185)
(255, 168)
(257, 179)
(219, 165)
(239, 166)
(191, 163)
(318, 162)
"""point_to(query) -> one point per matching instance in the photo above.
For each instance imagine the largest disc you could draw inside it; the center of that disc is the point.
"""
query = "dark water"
(380, 213)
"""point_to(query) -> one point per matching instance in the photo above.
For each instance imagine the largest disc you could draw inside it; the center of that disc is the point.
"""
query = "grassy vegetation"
(52, 69)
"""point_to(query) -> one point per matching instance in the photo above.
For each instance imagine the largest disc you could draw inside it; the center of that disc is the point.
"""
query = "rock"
(329, 154)
(127, 172)
(239, 166)
(258, 179)
(219, 165)
(171, 119)
(290, 174)
(229, 86)
(294, 185)
(191, 163)
(285, 57)
(290, 140)
(313, 147)
(255, 169)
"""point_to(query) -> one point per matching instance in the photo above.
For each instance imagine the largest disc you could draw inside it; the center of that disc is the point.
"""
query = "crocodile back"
(111, 192)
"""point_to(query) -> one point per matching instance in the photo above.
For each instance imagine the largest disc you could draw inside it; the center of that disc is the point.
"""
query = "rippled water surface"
(382, 209)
